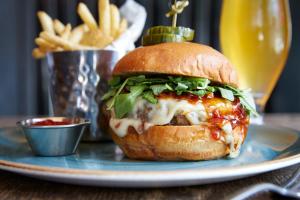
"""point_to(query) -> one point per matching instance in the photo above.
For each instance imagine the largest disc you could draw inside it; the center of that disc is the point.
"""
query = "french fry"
(58, 49)
(77, 33)
(114, 20)
(86, 16)
(90, 35)
(59, 27)
(81, 47)
(43, 49)
(84, 27)
(37, 53)
(46, 21)
(66, 33)
(44, 45)
(58, 41)
(104, 16)
(96, 38)
(62, 43)
(123, 27)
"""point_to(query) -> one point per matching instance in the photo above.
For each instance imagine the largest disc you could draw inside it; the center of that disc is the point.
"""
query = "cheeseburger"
(177, 101)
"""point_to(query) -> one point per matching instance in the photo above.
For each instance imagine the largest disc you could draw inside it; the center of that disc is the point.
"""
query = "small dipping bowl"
(53, 136)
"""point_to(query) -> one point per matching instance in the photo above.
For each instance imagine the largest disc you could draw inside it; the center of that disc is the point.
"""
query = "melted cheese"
(229, 139)
(120, 126)
(164, 111)
(158, 114)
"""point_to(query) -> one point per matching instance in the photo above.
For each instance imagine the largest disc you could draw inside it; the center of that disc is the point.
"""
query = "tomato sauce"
(118, 125)
(219, 111)
(215, 132)
(232, 112)
(191, 98)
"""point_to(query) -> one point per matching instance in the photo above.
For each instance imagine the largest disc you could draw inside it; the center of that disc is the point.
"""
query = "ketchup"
(49, 122)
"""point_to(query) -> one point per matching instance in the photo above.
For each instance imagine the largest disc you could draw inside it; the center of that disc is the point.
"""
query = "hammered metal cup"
(78, 79)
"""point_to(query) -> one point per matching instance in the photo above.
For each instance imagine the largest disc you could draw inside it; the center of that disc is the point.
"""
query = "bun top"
(184, 59)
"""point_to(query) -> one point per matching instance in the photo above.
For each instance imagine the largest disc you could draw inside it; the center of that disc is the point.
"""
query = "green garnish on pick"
(186, 33)
(162, 34)
(177, 8)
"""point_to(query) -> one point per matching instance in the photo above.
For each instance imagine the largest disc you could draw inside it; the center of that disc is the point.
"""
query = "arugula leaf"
(157, 89)
(148, 95)
(203, 83)
(136, 79)
(116, 95)
(149, 87)
(114, 81)
(175, 79)
(197, 83)
(246, 104)
(124, 102)
(181, 86)
(168, 87)
(245, 98)
(236, 91)
(109, 94)
(199, 93)
(210, 89)
(226, 94)
(247, 101)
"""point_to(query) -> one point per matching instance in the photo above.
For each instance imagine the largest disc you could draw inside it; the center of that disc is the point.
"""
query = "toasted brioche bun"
(176, 143)
(185, 59)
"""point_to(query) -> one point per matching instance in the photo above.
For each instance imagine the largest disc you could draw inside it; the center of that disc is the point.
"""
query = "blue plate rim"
(191, 174)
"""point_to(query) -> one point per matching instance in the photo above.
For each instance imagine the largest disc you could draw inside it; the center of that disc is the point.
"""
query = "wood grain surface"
(13, 186)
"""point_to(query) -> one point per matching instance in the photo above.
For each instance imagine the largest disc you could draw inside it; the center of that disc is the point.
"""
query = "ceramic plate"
(266, 148)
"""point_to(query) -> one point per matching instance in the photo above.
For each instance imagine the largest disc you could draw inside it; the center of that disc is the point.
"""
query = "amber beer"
(255, 35)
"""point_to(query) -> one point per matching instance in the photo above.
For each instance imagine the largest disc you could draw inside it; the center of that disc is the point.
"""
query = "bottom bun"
(176, 143)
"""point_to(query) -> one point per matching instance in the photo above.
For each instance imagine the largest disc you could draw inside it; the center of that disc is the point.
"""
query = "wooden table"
(14, 186)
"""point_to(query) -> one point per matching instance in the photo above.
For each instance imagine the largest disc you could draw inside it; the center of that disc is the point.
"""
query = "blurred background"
(23, 81)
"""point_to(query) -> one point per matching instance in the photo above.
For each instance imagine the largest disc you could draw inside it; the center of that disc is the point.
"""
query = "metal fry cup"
(78, 79)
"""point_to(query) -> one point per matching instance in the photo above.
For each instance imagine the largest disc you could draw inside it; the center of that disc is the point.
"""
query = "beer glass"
(256, 35)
